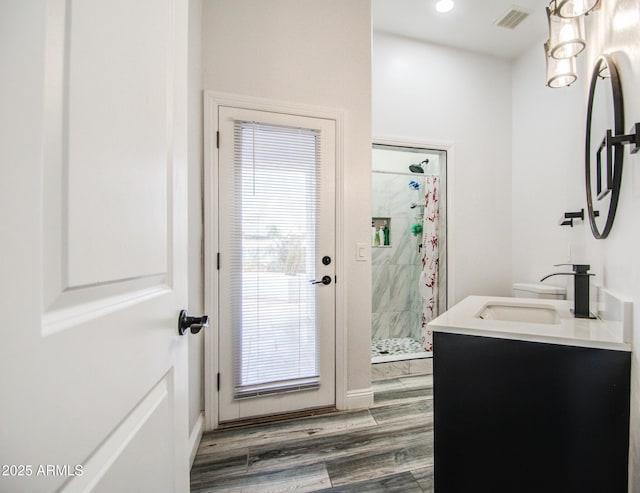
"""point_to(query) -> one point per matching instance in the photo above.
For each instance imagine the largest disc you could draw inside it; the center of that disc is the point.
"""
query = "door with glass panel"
(276, 181)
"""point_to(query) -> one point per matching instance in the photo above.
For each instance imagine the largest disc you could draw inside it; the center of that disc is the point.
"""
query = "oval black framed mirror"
(603, 157)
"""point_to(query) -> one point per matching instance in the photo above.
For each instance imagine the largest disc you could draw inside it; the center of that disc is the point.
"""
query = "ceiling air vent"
(513, 17)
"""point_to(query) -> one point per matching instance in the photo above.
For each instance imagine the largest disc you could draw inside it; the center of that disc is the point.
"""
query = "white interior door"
(277, 242)
(92, 372)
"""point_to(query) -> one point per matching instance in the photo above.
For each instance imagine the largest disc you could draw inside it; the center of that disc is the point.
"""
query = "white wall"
(428, 93)
(548, 141)
(312, 53)
(551, 124)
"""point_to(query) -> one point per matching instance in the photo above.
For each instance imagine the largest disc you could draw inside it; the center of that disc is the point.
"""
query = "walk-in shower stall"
(408, 242)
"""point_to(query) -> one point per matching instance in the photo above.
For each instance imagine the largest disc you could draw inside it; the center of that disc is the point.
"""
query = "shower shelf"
(380, 224)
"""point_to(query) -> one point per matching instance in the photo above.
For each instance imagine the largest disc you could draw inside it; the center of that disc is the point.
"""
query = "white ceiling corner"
(469, 26)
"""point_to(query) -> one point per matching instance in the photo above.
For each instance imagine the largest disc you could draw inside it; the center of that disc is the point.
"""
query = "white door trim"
(449, 147)
(212, 101)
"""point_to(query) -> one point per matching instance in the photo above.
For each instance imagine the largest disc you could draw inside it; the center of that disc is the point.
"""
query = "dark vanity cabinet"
(515, 416)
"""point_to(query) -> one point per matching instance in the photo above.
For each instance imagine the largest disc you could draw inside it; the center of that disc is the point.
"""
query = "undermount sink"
(532, 314)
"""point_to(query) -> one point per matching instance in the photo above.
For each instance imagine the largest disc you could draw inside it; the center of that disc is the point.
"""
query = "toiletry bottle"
(386, 234)
(376, 240)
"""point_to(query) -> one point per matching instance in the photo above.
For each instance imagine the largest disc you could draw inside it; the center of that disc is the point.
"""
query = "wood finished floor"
(387, 448)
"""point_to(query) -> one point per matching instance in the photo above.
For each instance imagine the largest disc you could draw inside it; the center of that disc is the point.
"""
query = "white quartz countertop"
(567, 330)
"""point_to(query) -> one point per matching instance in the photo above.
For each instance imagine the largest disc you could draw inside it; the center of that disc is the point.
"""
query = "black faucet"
(581, 288)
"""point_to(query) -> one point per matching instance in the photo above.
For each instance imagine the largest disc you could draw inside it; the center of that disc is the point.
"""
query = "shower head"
(417, 168)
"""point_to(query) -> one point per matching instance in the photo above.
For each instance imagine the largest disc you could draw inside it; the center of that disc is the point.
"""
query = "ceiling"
(469, 26)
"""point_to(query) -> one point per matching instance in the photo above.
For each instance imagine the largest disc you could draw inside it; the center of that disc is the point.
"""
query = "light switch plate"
(362, 250)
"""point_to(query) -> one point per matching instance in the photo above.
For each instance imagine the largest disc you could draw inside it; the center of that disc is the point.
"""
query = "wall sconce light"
(575, 8)
(560, 72)
(566, 36)
(566, 39)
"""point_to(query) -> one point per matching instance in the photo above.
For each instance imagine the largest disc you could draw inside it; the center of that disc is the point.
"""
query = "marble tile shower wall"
(396, 269)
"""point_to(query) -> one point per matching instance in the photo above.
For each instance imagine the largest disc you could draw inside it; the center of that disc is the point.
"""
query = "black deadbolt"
(326, 260)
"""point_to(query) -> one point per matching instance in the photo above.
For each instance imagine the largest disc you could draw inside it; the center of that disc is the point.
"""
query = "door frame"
(212, 101)
(449, 148)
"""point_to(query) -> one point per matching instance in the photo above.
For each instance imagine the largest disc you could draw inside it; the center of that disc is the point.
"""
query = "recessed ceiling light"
(444, 6)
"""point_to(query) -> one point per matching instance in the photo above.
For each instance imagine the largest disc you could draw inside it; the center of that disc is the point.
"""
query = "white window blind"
(274, 228)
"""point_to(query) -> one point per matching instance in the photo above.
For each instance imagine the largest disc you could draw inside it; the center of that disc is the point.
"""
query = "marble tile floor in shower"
(386, 448)
(398, 345)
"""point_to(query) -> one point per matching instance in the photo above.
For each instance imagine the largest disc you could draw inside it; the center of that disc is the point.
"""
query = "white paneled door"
(276, 199)
(93, 373)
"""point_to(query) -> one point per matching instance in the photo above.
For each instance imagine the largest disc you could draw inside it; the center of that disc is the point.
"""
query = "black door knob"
(194, 324)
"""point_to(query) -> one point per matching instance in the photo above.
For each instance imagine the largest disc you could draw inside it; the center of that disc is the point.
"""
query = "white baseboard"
(360, 398)
(194, 438)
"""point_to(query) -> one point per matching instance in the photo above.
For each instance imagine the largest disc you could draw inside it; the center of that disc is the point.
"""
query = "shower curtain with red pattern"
(430, 258)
